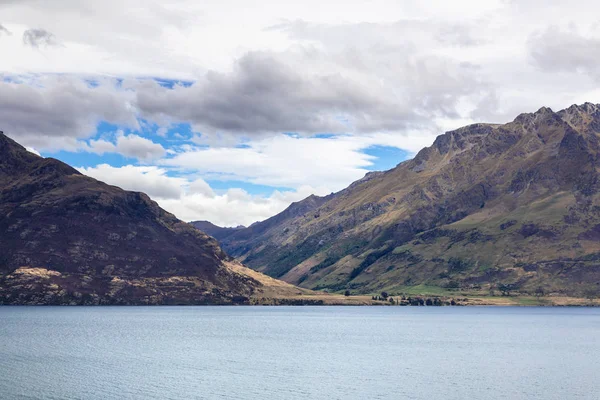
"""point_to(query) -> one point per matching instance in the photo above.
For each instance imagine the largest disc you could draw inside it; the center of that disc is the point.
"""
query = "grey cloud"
(262, 94)
(139, 147)
(4, 31)
(556, 50)
(265, 94)
(361, 77)
(39, 38)
(55, 112)
(133, 146)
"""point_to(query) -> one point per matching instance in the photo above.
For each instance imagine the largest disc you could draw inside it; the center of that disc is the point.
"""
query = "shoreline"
(325, 299)
(305, 297)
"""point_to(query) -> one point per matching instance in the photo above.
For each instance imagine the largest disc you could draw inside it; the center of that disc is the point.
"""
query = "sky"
(229, 111)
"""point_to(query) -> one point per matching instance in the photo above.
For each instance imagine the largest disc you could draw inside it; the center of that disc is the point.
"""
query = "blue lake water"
(299, 353)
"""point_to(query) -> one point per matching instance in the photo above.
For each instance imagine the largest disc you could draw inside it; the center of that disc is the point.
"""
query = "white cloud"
(131, 145)
(286, 161)
(151, 180)
(200, 187)
(234, 207)
(184, 38)
(194, 199)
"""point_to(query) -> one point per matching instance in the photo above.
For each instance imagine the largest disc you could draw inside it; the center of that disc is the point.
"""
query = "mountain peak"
(584, 118)
(544, 110)
(16, 161)
(537, 117)
(14, 158)
(8, 145)
(586, 107)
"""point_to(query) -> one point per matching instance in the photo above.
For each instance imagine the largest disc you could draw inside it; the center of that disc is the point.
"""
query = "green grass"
(530, 301)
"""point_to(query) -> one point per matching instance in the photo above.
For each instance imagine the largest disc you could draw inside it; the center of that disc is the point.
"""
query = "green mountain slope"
(486, 205)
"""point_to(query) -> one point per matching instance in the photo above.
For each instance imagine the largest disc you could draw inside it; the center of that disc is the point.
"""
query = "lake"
(299, 353)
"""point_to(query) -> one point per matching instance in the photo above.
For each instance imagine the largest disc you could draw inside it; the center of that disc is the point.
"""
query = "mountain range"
(511, 206)
(487, 208)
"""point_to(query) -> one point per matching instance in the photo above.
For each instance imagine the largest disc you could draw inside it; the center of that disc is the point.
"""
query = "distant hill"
(66, 238)
(215, 231)
(486, 206)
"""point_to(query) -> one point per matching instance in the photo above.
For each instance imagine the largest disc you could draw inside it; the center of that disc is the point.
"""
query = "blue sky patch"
(252, 188)
(387, 157)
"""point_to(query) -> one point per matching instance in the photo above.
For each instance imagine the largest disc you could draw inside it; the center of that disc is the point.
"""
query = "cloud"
(386, 36)
(39, 38)
(131, 145)
(458, 35)
(235, 206)
(326, 163)
(279, 161)
(558, 50)
(199, 186)
(4, 31)
(193, 199)
(139, 147)
(151, 180)
(262, 94)
(418, 73)
(116, 38)
(376, 73)
(51, 113)
(270, 92)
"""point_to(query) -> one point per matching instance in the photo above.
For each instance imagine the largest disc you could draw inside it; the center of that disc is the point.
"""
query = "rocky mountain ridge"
(485, 205)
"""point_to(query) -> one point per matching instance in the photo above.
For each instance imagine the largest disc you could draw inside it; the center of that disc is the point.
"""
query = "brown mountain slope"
(514, 204)
(69, 239)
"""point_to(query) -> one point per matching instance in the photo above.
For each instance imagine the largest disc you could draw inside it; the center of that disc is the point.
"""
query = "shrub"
(506, 288)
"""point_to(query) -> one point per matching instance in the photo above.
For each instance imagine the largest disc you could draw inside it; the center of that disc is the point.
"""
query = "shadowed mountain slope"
(66, 238)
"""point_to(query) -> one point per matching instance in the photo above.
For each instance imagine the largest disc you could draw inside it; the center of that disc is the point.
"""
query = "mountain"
(213, 230)
(513, 206)
(66, 238)
(245, 240)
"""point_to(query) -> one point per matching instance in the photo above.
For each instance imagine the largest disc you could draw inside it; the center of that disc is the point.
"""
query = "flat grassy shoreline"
(317, 298)
(277, 293)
